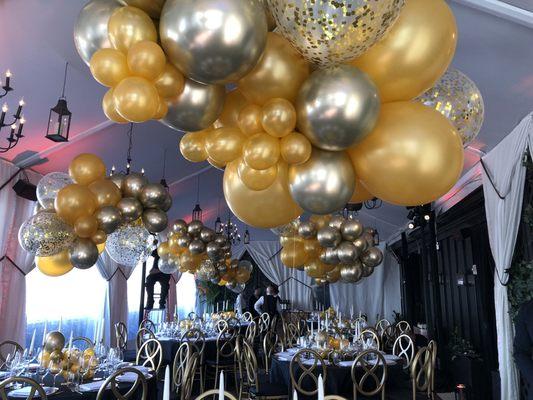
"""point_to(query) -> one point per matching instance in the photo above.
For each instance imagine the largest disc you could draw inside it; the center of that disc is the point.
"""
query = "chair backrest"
(421, 371)
(121, 335)
(432, 346)
(215, 392)
(251, 331)
(9, 347)
(370, 334)
(388, 337)
(36, 390)
(381, 325)
(146, 323)
(82, 343)
(234, 322)
(141, 337)
(150, 354)
(247, 316)
(404, 348)
(303, 328)
(334, 397)
(112, 384)
(270, 344)
(403, 327)
(192, 316)
(226, 342)
(305, 367)
(196, 338)
(179, 365)
(374, 368)
(264, 323)
(188, 377)
(250, 365)
(291, 336)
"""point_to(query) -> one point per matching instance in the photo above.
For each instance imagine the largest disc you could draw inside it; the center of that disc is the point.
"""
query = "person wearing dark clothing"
(523, 345)
(251, 302)
(155, 275)
(269, 303)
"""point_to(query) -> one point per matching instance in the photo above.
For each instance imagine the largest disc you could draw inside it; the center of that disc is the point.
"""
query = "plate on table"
(25, 391)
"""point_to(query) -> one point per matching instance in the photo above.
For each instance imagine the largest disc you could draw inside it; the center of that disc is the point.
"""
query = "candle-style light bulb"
(21, 102)
(5, 108)
(142, 171)
(22, 120)
(8, 74)
(13, 127)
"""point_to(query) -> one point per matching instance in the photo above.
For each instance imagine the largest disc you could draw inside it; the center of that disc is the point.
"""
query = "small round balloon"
(129, 244)
(49, 186)
(45, 234)
(86, 168)
(83, 253)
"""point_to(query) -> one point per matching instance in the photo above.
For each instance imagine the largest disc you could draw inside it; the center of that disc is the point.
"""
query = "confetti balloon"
(129, 244)
(45, 234)
(167, 266)
(48, 187)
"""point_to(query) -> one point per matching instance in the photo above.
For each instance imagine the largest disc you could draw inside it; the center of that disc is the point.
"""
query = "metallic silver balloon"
(361, 244)
(167, 266)
(337, 107)
(328, 236)
(195, 227)
(109, 218)
(351, 229)
(220, 240)
(117, 179)
(207, 234)
(351, 273)
(307, 229)
(45, 234)
(167, 203)
(213, 41)
(179, 226)
(55, 341)
(48, 187)
(347, 252)
(133, 185)
(183, 241)
(197, 247)
(130, 244)
(90, 31)
(236, 287)
(336, 221)
(213, 251)
(197, 107)
(369, 238)
(226, 247)
(83, 253)
(366, 271)
(329, 256)
(155, 220)
(153, 195)
(372, 257)
(130, 208)
(324, 183)
(245, 265)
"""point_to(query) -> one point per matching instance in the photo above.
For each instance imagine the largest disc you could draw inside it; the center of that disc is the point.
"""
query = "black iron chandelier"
(17, 124)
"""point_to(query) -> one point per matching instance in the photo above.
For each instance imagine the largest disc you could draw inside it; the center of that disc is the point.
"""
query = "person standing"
(523, 345)
(252, 300)
(155, 275)
(269, 303)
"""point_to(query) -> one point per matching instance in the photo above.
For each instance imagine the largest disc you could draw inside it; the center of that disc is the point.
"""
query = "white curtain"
(503, 187)
(376, 296)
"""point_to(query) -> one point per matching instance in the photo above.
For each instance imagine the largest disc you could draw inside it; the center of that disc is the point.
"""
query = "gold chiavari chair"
(150, 354)
(403, 327)
(334, 397)
(374, 368)
(432, 346)
(306, 366)
(381, 325)
(121, 335)
(9, 348)
(148, 324)
(270, 344)
(196, 339)
(388, 337)
(303, 328)
(192, 316)
(361, 321)
(226, 343)
(179, 365)
(370, 334)
(247, 316)
(82, 343)
(264, 324)
(112, 383)
(404, 348)
(143, 335)
(215, 392)
(421, 372)
(291, 336)
(250, 333)
(36, 391)
(234, 323)
(188, 377)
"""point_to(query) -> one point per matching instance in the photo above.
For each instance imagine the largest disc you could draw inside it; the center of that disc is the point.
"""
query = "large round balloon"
(413, 156)
(457, 98)
(49, 186)
(360, 194)
(329, 32)
(151, 7)
(74, 201)
(324, 183)
(129, 244)
(56, 265)
(415, 53)
(90, 31)
(213, 41)
(337, 107)
(45, 234)
(86, 168)
(196, 108)
(263, 208)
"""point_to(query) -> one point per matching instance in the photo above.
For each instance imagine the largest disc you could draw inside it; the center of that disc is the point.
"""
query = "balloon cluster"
(330, 248)
(82, 208)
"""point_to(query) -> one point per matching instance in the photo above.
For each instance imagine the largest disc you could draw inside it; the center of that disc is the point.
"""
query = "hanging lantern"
(59, 118)
(197, 213)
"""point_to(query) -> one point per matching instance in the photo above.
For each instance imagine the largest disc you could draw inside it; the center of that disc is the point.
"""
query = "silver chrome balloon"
(324, 183)
(220, 240)
(213, 251)
(197, 247)
(153, 195)
(361, 244)
(55, 341)
(336, 221)
(183, 241)
(213, 41)
(117, 179)
(246, 265)
(207, 234)
(366, 271)
(328, 236)
(83, 253)
(179, 226)
(45, 234)
(351, 229)
(307, 229)
(90, 31)
(372, 257)
(337, 107)
(155, 220)
(109, 218)
(369, 238)
(197, 107)
(352, 273)
(347, 252)
(130, 208)
(329, 256)
(195, 227)
(167, 203)
(49, 186)
(133, 185)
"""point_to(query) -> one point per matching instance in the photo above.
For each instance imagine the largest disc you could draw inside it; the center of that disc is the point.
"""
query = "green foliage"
(461, 347)
(520, 287)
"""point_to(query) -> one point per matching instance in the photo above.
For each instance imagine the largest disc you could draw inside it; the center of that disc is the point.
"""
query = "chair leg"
(202, 379)
(216, 377)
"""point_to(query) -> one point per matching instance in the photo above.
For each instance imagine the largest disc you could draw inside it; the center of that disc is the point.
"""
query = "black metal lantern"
(218, 225)
(197, 210)
(59, 118)
(246, 236)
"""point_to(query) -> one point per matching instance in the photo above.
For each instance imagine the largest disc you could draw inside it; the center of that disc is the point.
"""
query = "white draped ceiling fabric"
(503, 187)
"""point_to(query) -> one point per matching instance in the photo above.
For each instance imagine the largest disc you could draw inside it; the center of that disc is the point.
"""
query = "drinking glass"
(55, 369)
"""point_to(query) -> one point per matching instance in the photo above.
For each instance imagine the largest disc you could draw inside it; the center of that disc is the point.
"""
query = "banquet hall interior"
(266, 199)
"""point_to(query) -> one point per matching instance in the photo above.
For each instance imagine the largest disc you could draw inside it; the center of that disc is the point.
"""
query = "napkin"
(131, 377)
(25, 391)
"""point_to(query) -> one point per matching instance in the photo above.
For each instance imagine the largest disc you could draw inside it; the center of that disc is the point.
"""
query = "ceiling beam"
(501, 9)
(186, 178)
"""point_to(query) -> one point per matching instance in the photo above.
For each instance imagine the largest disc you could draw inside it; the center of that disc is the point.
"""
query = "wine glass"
(55, 369)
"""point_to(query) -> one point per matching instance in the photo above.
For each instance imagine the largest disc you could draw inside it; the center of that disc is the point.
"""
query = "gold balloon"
(99, 237)
(320, 220)
(261, 151)
(74, 201)
(86, 168)
(295, 148)
(293, 254)
(189, 262)
(146, 59)
(151, 7)
(86, 226)
(233, 104)
(317, 269)
(249, 120)
(192, 146)
(110, 111)
(163, 250)
(267, 208)
(106, 192)
(279, 73)
(218, 165)
(312, 248)
(334, 275)
(256, 179)
(130, 25)
(109, 67)
(56, 265)
(224, 144)
(415, 53)
(170, 83)
(136, 99)
(361, 193)
(413, 156)
(279, 117)
(162, 109)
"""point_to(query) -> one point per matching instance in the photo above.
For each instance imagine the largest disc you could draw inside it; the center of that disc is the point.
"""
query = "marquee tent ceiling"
(36, 40)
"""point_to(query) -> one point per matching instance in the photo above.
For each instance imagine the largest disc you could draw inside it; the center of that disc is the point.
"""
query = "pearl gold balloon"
(351, 229)
(196, 108)
(146, 59)
(261, 151)
(224, 144)
(249, 120)
(337, 107)
(329, 32)
(320, 221)
(85, 226)
(55, 341)
(264, 208)
(234, 103)
(110, 110)
(317, 269)
(179, 226)
(74, 201)
(105, 192)
(415, 53)
(56, 265)
(413, 156)
(279, 73)
(360, 193)
(295, 148)
(192, 146)
(86, 168)
(372, 257)
(130, 25)
(347, 252)
(151, 7)
(324, 183)
(218, 165)
(328, 236)
(109, 217)
(130, 208)
(162, 109)
(278, 117)
(99, 238)
(48, 187)
(351, 273)
(83, 253)
(90, 31)
(133, 184)
(307, 229)
(256, 179)
(153, 195)
(170, 82)
(293, 256)
(109, 67)
(136, 99)
(155, 220)
(213, 41)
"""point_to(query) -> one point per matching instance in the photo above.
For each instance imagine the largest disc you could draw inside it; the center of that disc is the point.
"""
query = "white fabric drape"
(376, 296)
(503, 187)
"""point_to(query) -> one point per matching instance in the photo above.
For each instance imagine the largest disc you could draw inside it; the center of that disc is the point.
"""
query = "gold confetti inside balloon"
(329, 32)
(45, 234)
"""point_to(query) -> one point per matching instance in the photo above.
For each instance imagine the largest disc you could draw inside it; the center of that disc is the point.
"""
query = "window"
(186, 294)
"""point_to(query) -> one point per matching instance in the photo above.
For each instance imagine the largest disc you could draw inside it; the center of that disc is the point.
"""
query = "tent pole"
(143, 289)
